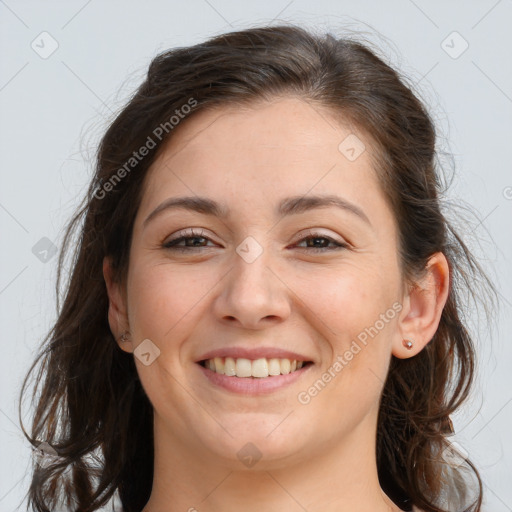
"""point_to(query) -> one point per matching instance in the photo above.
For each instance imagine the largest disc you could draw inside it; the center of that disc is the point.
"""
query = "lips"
(252, 384)
(254, 353)
(255, 370)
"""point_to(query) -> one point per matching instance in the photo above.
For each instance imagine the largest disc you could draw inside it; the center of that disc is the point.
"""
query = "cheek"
(347, 299)
(349, 384)
(357, 317)
(164, 299)
(165, 303)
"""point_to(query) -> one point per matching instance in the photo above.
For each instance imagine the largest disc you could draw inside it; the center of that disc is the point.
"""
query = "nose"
(253, 294)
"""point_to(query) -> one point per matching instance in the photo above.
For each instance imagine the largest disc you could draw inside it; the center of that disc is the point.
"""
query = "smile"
(252, 377)
(257, 368)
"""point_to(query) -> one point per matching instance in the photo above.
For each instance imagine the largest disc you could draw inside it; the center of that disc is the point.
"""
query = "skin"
(317, 456)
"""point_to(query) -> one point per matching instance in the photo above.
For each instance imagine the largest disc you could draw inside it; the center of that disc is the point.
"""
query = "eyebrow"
(288, 206)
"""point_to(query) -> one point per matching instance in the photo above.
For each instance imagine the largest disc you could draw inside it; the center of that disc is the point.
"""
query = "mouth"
(253, 368)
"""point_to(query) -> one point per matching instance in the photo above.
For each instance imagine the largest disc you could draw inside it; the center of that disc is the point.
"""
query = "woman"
(263, 311)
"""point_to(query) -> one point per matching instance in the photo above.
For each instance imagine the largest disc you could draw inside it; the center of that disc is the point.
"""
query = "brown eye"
(318, 242)
(191, 238)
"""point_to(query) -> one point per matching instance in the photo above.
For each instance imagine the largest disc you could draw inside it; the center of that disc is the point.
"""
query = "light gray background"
(54, 110)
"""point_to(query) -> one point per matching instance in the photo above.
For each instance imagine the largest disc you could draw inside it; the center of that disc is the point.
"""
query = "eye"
(321, 242)
(194, 236)
(191, 239)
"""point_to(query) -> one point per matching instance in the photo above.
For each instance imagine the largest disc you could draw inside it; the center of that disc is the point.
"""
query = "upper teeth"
(242, 367)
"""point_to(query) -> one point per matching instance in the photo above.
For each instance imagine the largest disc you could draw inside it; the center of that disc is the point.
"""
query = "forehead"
(283, 126)
(258, 153)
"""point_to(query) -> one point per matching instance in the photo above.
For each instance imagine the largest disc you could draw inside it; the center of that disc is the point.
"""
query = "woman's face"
(246, 286)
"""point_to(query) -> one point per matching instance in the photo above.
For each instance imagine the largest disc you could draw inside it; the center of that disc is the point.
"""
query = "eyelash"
(191, 233)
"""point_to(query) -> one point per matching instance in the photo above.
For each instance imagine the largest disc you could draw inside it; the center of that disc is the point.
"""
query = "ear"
(117, 312)
(423, 306)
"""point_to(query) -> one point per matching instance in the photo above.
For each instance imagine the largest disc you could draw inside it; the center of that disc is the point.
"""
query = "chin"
(257, 441)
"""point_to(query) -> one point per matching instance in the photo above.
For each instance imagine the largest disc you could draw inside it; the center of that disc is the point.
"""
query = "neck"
(341, 477)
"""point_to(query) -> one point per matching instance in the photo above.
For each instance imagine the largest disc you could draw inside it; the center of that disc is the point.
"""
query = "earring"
(408, 344)
(124, 337)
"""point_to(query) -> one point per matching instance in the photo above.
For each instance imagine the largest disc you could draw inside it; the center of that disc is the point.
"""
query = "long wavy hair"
(89, 405)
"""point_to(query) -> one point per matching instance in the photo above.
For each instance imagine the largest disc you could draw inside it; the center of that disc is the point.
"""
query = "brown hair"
(90, 405)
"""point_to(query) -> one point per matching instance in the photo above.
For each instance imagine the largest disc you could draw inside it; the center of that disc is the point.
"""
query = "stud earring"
(408, 344)
(124, 337)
